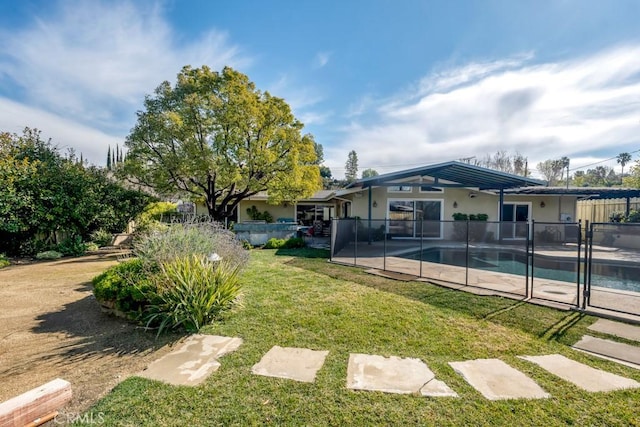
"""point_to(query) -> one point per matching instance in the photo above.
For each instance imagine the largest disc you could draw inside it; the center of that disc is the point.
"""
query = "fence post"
(466, 263)
(528, 262)
(384, 247)
(578, 263)
(588, 255)
(421, 244)
(334, 233)
(355, 243)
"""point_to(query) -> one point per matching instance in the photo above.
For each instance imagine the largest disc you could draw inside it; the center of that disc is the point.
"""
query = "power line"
(601, 161)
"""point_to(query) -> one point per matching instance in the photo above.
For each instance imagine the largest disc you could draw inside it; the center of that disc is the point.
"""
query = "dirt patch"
(52, 327)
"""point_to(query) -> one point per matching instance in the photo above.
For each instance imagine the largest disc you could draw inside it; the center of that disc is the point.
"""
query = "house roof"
(582, 192)
(456, 174)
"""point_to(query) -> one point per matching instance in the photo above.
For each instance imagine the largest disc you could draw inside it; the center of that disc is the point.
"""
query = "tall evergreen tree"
(109, 158)
(351, 167)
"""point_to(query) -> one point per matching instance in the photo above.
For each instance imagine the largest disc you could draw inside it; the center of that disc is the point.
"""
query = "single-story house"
(434, 193)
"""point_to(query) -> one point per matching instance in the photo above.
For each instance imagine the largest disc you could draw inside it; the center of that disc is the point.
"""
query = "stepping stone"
(618, 329)
(581, 375)
(298, 364)
(192, 362)
(616, 351)
(394, 375)
(496, 380)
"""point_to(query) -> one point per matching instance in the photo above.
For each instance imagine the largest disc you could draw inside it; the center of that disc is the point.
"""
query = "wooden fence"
(601, 210)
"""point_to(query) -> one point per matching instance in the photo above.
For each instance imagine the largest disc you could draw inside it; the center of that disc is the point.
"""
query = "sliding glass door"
(415, 218)
(515, 220)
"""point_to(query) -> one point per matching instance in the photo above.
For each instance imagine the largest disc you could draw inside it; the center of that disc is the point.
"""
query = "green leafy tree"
(368, 173)
(351, 167)
(632, 179)
(214, 137)
(46, 196)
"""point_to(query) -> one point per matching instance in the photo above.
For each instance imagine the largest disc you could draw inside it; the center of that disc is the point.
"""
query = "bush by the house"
(256, 215)
(127, 286)
(192, 292)
(291, 243)
(48, 255)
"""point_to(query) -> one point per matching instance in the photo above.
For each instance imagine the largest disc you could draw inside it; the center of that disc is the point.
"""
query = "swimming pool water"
(623, 277)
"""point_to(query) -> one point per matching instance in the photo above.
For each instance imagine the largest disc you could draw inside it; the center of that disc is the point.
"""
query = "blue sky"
(404, 83)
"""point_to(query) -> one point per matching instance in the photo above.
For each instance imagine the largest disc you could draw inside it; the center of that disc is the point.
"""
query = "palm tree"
(623, 159)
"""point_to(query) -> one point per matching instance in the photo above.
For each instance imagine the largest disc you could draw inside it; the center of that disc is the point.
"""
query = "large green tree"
(45, 195)
(215, 138)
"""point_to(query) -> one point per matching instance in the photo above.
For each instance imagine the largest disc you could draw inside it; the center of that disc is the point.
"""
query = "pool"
(614, 276)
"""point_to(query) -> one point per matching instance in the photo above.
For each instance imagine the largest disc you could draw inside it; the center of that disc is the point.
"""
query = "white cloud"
(549, 110)
(321, 59)
(64, 133)
(93, 62)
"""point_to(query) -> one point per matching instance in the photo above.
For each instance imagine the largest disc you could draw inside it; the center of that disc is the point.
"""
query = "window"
(430, 189)
(399, 189)
(415, 218)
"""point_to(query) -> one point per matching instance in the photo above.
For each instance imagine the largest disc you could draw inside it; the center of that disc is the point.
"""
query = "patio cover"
(455, 174)
(452, 174)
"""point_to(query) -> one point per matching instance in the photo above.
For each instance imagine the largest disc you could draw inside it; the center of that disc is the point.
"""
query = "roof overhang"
(451, 174)
(580, 192)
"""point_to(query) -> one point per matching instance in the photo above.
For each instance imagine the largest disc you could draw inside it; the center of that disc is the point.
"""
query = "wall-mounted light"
(542, 204)
(455, 204)
(375, 204)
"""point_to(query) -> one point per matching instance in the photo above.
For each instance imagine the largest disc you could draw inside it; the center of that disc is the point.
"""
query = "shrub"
(33, 246)
(294, 243)
(190, 238)
(73, 246)
(634, 216)
(4, 262)
(255, 214)
(91, 246)
(49, 255)
(102, 238)
(192, 292)
(128, 285)
(291, 243)
(274, 243)
(152, 214)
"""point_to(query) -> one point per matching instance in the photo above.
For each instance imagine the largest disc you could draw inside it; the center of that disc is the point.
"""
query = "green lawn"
(302, 301)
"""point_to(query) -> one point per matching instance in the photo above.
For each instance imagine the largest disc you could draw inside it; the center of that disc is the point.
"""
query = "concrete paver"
(617, 329)
(617, 351)
(496, 380)
(581, 375)
(393, 375)
(300, 364)
(193, 361)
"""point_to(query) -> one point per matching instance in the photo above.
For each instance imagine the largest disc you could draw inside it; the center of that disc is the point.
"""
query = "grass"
(303, 301)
